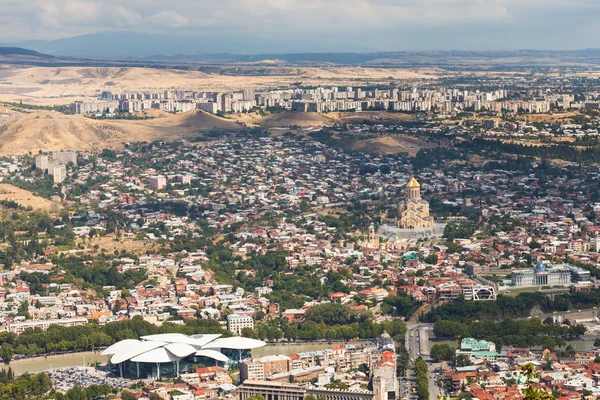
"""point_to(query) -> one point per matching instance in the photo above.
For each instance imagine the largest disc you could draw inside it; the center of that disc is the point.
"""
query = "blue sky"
(320, 25)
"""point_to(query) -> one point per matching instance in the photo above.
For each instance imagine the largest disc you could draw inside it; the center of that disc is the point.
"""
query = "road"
(572, 315)
(417, 344)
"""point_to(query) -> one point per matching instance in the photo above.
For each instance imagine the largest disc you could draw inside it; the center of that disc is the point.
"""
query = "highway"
(417, 343)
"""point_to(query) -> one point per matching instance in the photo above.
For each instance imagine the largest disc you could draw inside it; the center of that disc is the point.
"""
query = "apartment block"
(235, 323)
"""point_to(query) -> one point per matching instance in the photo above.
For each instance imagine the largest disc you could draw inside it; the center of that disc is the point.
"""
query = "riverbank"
(44, 363)
(49, 356)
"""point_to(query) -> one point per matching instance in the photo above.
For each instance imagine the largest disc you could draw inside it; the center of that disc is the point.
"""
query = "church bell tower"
(413, 190)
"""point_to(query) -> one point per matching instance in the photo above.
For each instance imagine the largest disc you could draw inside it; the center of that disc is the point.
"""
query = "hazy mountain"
(132, 45)
(17, 51)
(177, 51)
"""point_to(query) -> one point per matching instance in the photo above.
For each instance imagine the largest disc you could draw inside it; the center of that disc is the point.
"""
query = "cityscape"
(252, 201)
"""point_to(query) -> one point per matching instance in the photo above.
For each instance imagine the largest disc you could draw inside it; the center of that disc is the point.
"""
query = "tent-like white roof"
(119, 346)
(235, 343)
(195, 340)
(206, 339)
(159, 355)
(170, 347)
(215, 355)
(180, 350)
(135, 350)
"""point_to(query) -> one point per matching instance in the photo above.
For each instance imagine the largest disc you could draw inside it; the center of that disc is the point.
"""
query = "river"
(38, 364)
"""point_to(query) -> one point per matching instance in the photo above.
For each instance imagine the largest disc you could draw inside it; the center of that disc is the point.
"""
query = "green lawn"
(514, 292)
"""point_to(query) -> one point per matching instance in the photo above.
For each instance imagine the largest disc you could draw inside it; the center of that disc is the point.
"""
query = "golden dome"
(413, 183)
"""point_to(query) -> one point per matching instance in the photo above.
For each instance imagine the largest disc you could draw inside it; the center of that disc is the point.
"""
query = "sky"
(319, 25)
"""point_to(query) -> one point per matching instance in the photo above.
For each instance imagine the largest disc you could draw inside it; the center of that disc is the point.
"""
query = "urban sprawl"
(334, 99)
(289, 265)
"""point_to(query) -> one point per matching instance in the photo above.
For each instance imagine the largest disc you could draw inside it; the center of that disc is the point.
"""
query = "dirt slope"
(26, 198)
(296, 119)
(50, 131)
(391, 145)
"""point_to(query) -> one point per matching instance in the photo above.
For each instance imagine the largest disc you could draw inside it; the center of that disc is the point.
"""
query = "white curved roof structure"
(215, 355)
(171, 347)
(160, 355)
(180, 350)
(206, 339)
(235, 343)
(169, 338)
(119, 347)
(195, 340)
(135, 350)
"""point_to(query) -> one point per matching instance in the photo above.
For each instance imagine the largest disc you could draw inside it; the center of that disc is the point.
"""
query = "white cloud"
(123, 17)
(169, 19)
(80, 11)
(367, 19)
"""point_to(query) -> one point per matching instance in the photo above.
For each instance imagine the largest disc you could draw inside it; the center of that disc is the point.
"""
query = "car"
(412, 334)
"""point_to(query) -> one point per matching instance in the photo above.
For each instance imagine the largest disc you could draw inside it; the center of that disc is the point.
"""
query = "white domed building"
(171, 354)
(542, 275)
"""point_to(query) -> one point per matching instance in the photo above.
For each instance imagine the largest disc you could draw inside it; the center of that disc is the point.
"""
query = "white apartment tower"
(235, 323)
(59, 173)
(158, 182)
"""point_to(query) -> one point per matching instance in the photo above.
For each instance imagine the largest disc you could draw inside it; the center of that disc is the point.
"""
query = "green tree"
(442, 352)
(462, 360)
(257, 397)
(337, 384)
(530, 392)
(422, 381)
(127, 395)
(249, 333)
(6, 352)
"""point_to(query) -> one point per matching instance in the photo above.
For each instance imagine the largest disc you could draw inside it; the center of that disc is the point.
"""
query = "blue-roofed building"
(542, 275)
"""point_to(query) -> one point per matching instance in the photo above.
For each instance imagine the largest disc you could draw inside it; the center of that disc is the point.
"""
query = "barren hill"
(50, 131)
(391, 145)
(63, 85)
(26, 198)
(310, 119)
(295, 119)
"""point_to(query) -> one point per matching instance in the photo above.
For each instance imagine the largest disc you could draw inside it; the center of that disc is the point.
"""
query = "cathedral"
(414, 212)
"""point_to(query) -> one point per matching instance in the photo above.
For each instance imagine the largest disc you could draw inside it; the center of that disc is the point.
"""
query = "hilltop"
(17, 51)
(51, 131)
(302, 120)
(290, 119)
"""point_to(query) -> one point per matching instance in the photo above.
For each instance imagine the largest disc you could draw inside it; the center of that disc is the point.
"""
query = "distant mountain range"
(134, 45)
(129, 48)
(17, 51)
(533, 58)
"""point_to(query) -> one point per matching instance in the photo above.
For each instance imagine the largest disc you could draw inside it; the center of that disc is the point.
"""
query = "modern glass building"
(172, 354)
